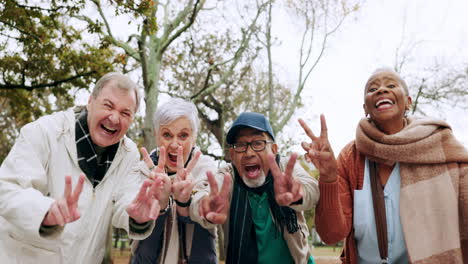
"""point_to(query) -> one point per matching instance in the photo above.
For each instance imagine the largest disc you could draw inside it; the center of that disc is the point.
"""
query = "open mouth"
(384, 104)
(172, 157)
(253, 170)
(108, 129)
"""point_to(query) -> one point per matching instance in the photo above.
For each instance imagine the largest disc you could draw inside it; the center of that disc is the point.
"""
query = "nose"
(249, 152)
(382, 89)
(114, 118)
(174, 143)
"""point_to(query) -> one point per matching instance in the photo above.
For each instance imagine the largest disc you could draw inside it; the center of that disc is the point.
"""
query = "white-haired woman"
(175, 238)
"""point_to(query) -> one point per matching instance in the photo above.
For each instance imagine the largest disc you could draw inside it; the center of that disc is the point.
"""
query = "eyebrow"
(112, 104)
(389, 79)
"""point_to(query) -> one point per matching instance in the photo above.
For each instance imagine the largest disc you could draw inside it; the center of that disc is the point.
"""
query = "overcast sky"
(368, 41)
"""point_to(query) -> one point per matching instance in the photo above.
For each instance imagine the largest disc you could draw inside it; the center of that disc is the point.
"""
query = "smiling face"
(252, 165)
(170, 136)
(110, 114)
(385, 100)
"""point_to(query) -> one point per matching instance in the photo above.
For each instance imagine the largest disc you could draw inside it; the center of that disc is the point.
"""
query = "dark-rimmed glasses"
(256, 145)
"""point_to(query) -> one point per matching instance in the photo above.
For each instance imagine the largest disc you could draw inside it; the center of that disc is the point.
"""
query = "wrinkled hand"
(287, 188)
(159, 172)
(145, 206)
(183, 182)
(215, 206)
(65, 209)
(319, 151)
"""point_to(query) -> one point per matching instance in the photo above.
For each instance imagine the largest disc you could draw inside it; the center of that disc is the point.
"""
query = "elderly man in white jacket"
(72, 174)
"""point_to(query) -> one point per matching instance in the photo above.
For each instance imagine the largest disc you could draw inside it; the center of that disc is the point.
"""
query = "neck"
(391, 127)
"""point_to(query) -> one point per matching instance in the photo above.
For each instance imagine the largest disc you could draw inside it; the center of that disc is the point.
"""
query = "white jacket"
(33, 176)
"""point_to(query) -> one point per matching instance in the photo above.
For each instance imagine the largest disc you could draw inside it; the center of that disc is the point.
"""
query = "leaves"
(43, 62)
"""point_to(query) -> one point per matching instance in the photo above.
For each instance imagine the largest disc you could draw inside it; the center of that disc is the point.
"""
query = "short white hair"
(174, 109)
(120, 81)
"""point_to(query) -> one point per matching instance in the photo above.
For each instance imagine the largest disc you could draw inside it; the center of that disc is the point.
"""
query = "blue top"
(203, 244)
(365, 231)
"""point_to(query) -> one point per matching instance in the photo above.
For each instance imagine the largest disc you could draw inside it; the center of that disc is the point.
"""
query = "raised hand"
(319, 151)
(159, 172)
(65, 209)
(215, 206)
(145, 206)
(287, 188)
(183, 182)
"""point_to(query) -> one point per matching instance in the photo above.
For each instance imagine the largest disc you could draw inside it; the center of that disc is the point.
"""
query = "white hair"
(174, 109)
(120, 81)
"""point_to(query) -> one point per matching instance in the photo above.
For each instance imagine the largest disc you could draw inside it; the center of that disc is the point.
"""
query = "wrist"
(165, 208)
(184, 204)
(327, 178)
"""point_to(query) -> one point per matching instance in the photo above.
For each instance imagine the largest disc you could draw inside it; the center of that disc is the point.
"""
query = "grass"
(122, 257)
(326, 251)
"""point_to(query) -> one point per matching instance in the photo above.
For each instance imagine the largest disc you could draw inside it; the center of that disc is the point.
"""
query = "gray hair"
(174, 109)
(391, 71)
(120, 81)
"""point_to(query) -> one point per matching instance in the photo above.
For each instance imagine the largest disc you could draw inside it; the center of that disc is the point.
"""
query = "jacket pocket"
(33, 252)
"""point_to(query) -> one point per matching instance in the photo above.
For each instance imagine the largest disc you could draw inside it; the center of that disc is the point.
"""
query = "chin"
(253, 183)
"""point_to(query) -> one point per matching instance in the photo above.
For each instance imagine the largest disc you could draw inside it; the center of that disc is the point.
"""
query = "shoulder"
(205, 163)
(54, 123)
(130, 148)
(349, 151)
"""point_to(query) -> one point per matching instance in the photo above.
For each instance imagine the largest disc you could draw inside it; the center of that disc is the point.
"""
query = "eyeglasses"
(256, 145)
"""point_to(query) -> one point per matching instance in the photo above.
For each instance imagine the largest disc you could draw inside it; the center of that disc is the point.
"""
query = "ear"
(90, 100)
(231, 152)
(409, 103)
(274, 148)
(365, 109)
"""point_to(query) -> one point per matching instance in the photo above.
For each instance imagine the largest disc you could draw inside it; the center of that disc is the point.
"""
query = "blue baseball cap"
(249, 120)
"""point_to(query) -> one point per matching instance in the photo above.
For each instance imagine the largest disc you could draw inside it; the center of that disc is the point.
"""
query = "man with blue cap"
(261, 211)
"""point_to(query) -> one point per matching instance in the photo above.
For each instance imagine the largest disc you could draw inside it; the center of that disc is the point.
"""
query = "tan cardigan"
(434, 190)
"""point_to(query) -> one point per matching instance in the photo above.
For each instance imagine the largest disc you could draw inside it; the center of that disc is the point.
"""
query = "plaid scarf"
(87, 157)
(242, 246)
(434, 186)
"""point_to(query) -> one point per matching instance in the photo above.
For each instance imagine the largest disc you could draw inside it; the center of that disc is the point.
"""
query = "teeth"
(383, 101)
(110, 129)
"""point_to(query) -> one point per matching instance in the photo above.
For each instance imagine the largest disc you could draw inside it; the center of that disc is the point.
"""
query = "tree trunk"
(151, 100)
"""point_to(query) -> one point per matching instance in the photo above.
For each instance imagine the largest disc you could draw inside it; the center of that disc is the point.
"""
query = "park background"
(288, 59)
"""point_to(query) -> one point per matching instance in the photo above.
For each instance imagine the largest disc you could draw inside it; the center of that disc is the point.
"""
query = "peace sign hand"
(287, 188)
(183, 182)
(319, 151)
(215, 206)
(145, 206)
(65, 209)
(159, 172)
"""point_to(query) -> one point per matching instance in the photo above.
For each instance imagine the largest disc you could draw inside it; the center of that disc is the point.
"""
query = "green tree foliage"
(43, 63)
(156, 25)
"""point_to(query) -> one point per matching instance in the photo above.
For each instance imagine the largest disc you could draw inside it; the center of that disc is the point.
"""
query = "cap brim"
(232, 133)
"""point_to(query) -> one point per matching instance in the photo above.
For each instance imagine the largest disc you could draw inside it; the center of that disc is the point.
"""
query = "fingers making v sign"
(184, 182)
(215, 206)
(287, 189)
(319, 151)
(145, 206)
(65, 209)
(159, 172)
